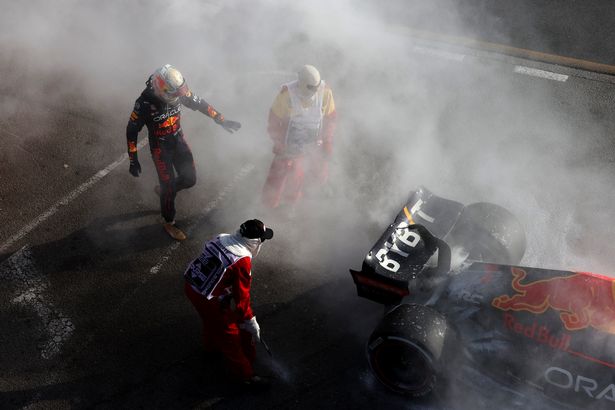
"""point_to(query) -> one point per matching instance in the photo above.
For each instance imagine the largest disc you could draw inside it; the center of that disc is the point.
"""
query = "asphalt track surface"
(568, 29)
(92, 309)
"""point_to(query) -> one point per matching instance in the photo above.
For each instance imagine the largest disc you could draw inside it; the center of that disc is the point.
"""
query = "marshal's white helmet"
(169, 84)
(309, 80)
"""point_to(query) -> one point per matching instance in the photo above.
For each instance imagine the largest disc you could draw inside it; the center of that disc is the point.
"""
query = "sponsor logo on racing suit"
(167, 114)
(167, 123)
(583, 299)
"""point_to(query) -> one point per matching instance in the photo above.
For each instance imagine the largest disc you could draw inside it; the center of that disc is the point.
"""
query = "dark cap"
(255, 229)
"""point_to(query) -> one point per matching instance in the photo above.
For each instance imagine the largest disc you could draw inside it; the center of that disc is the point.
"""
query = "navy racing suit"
(170, 152)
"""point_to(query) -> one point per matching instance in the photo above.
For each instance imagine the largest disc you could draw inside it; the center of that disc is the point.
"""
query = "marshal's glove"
(228, 125)
(251, 326)
(135, 167)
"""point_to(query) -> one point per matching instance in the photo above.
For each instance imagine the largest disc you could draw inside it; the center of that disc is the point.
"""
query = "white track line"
(154, 270)
(66, 200)
(20, 269)
(534, 72)
(210, 207)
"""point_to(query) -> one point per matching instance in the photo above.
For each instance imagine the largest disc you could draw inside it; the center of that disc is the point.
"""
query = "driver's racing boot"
(173, 231)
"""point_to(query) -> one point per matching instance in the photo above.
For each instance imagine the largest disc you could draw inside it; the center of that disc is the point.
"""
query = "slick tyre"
(407, 351)
(490, 233)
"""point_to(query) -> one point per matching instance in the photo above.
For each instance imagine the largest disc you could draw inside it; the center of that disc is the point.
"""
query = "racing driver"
(159, 108)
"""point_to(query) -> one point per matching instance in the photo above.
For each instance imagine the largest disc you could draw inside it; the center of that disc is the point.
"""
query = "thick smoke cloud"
(471, 130)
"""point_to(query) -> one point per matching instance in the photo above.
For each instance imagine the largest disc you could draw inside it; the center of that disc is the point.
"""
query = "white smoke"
(468, 129)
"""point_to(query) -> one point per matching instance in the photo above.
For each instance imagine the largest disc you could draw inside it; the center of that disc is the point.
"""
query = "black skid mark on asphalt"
(31, 288)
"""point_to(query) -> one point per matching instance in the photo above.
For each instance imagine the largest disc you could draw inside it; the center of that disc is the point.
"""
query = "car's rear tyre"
(490, 233)
(406, 350)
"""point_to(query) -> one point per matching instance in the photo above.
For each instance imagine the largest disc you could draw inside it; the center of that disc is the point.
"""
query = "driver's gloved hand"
(228, 125)
(135, 167)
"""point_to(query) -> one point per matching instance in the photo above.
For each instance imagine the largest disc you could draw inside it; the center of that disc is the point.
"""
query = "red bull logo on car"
(539, 333)
(582, 299)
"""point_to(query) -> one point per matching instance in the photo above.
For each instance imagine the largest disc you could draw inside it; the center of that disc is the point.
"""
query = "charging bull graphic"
(582, 299)
(169, 122)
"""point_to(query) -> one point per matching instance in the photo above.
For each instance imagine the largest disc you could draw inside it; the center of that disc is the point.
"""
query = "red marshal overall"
(302, 132)
(218, 284)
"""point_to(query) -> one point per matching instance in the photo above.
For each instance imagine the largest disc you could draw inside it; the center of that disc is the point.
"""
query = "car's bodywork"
(458, 304)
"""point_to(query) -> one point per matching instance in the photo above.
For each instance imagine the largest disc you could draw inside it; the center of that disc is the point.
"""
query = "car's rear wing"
(398, 258)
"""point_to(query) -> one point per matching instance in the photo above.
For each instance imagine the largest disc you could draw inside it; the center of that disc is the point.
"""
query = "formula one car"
(459, 308)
